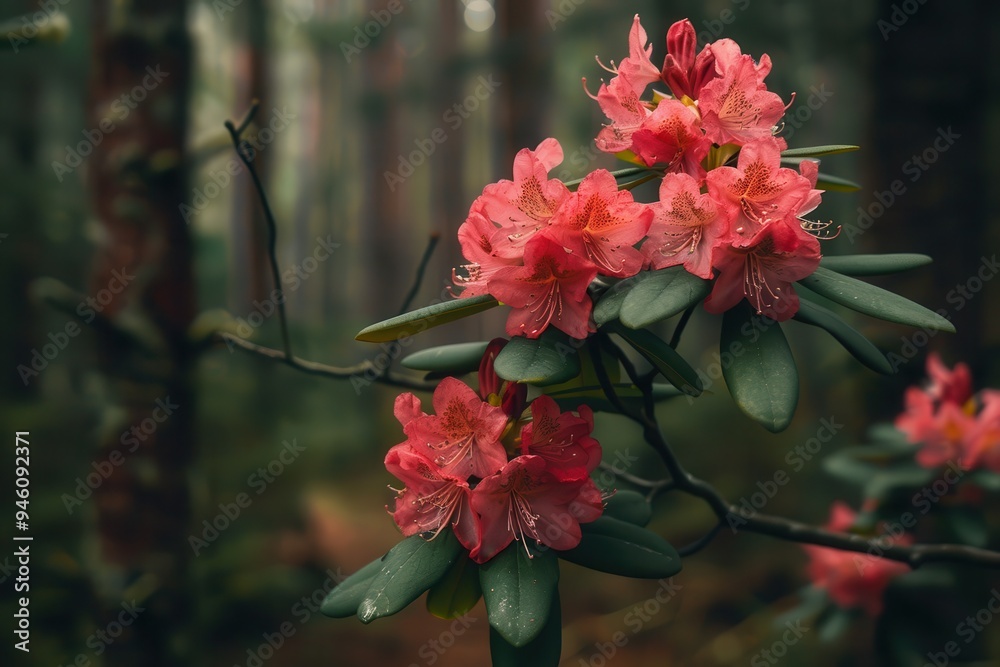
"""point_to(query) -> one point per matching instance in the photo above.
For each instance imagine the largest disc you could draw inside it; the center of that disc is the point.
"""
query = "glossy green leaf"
(664, 358)
(416, 321)
(344, 599)
(630, 507)
(817, 151)
(618, 547)
(853, 341)
(663, 294)
(458, 358)
(608, 307)
(874, 265)
(835, 183)
(542, 651)
(409, 569)
(457, 592)
(518, 591)
(593, 396)
(549, 359)
(873, 301)
(761, 376)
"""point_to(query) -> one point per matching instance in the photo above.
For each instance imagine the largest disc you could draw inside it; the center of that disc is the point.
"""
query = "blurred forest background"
(153, 204)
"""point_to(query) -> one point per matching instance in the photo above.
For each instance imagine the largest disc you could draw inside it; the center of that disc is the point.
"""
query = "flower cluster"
(479, 467)
(950, 422)
(536, 245)
(852, 580)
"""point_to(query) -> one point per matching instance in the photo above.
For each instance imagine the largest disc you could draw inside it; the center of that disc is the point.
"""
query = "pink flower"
(638, 67)
(561, 438)
(483, 247)
(525, 205)
(941, 429)
(431, 499)
(463, 438)
(763, 269)
(736, 107)
(852, 580)
(672, 135)
(527, 500)
(686, 226)
(759, 190)
(551, 288)
(685, 73)
(954, 386)
(984, 436)
(621, 104)
(602, 223)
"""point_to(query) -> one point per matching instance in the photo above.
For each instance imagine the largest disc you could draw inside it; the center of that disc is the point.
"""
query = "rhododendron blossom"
(602, 223)
(551, 288)
(949, 422)
(459, 475)
(672, 135)
(852, 580)
(686, 227)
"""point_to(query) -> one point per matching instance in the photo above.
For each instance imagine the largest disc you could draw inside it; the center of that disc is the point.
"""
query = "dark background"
(351, 117)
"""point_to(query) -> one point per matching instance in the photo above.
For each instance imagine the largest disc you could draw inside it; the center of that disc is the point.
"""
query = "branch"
(726, 513)
(285, 355)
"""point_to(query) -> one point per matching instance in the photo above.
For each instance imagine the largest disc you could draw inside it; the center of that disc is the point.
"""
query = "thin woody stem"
(913, 555)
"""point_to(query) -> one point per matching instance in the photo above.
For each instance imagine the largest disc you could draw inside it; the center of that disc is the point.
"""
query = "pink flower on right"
(949, 422)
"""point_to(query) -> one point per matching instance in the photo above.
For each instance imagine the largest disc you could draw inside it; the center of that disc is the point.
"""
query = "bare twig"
(793, 531)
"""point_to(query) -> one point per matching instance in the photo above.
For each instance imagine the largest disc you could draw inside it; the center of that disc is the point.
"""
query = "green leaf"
(459, 358)
(617, 547)
(852, 340)
(817, 151)
(873, 301)
(761, 377)
(542, 651)
(663, 294)
(663, 357)
(609, 306)
(874, 265)
(549, 359)
(344, 599)
(593, 396)
(518, 591)
(457, 592)
(409, 569)
(630, 507)
(416, 321)
(835, 183)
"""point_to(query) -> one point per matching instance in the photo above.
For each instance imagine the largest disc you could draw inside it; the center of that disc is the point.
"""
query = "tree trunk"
(136, 177)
